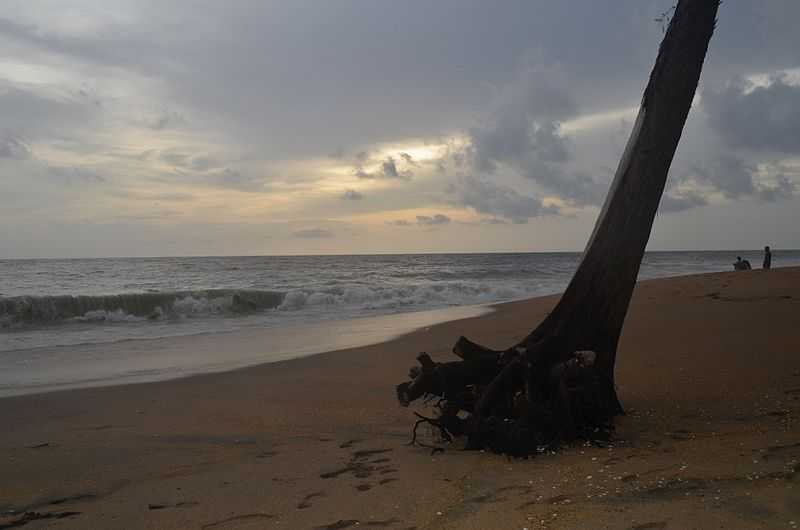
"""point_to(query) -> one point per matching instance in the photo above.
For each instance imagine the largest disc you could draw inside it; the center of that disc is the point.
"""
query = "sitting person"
(741, 264)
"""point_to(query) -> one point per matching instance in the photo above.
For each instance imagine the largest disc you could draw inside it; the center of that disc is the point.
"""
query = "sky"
(251, 127)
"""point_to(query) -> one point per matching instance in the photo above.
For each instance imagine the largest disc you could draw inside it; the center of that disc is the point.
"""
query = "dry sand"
(708, 369)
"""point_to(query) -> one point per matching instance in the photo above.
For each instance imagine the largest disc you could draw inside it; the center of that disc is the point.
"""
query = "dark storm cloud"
(764, 118)
(313, 233)
(498, 201)
(433, 220)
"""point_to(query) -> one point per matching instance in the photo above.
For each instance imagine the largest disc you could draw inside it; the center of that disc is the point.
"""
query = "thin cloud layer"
(263, 115)
(313, 233)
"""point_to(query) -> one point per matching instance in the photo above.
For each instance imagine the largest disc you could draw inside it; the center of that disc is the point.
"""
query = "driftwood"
(557, 385)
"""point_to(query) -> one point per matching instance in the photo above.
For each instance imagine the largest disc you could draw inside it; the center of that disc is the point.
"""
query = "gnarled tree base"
(517, 402)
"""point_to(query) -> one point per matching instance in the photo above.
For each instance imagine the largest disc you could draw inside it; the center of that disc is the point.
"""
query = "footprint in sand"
(359, 467)
(341, 524)
(306, 502)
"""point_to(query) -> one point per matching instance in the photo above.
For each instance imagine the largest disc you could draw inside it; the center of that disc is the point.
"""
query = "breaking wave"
(20, 311)
(133, 307)
(397, 298)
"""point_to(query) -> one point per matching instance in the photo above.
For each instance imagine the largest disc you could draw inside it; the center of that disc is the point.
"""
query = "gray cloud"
(408, 159)
(203, 163)
(77, 175)
(677, 202)
(234, 179)
(523, 133)
(83, 90)
(388, 169)
(166, 196)
(764, 118)
(352, 195)
(522, 129)
(782, 189)
(207, 170)
(313, 233)
(428, 220)
(13, 148)
(175, 158)
(732, 176)
(499, 201)
(168, 120)
(183, 160)
(37, 113)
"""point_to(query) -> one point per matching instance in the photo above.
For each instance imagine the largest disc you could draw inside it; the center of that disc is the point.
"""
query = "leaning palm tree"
(558, 383)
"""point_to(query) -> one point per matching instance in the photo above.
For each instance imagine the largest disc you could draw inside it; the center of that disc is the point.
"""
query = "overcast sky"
(147, 128)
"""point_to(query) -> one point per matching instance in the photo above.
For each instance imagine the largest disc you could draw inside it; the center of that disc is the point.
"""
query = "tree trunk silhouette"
(540, 392)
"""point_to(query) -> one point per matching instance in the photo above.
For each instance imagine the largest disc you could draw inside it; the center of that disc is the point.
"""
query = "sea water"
(69, 312)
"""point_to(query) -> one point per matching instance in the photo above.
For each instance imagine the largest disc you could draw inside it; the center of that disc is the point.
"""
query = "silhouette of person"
(741, 264)
(767, 258)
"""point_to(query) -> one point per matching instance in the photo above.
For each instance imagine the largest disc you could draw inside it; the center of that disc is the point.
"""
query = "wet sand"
(708, 370)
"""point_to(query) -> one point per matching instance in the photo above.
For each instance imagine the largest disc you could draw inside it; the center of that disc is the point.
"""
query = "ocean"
(56, 310)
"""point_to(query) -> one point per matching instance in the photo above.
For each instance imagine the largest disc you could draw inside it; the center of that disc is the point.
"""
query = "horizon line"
(444, 253)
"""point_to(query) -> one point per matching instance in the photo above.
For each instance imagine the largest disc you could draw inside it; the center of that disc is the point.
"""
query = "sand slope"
(708, 368)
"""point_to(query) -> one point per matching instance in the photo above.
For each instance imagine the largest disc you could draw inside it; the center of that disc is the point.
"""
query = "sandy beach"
(708, 370)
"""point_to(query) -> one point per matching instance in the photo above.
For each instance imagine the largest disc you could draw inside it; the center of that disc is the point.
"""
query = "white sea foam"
(57, 302)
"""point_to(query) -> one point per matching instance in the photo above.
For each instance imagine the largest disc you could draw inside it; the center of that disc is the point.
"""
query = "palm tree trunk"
(592, 310)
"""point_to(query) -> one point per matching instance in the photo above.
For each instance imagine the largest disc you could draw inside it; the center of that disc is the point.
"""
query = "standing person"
(767, 258)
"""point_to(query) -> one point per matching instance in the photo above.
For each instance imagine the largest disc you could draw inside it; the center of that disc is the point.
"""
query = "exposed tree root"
(516, 401)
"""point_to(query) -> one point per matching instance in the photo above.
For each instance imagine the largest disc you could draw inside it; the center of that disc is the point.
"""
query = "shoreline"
(118, 363)
(707, 369)
(180, 356)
